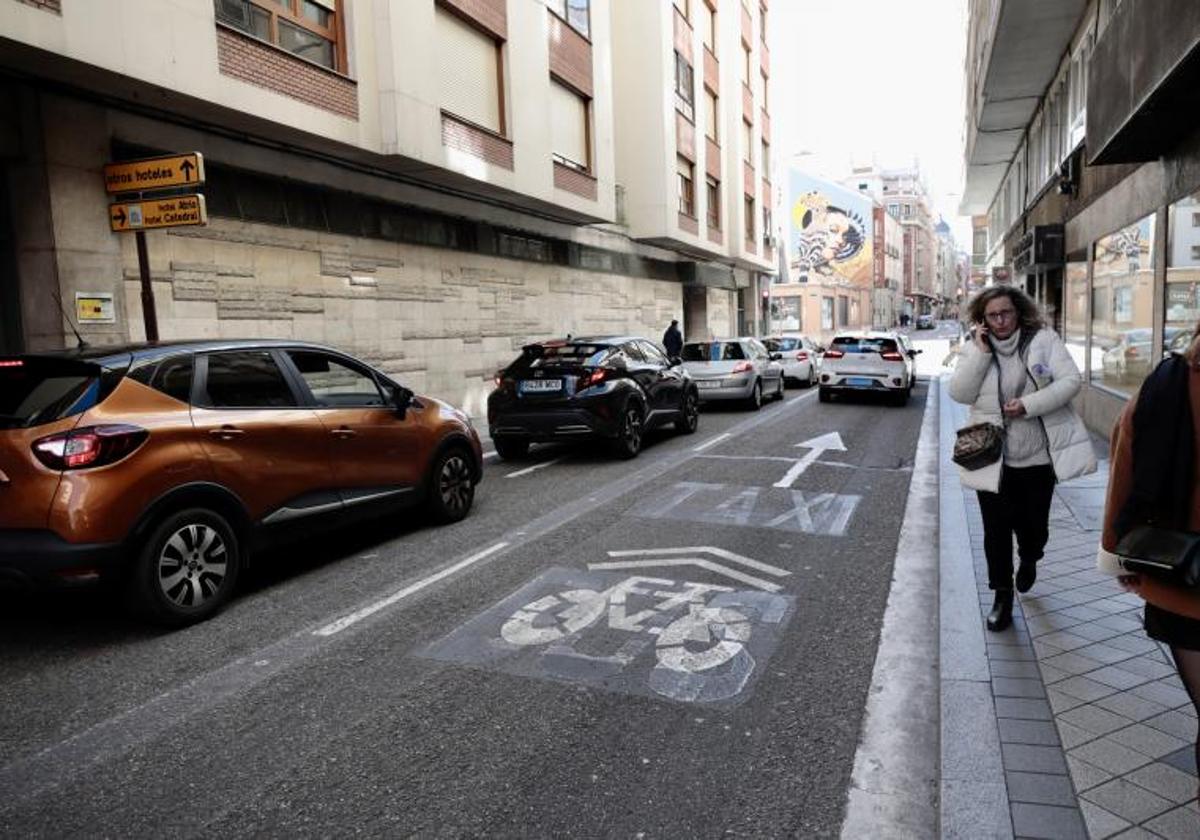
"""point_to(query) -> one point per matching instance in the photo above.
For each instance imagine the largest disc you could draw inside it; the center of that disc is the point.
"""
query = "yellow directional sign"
(186, 170)
(179, 211)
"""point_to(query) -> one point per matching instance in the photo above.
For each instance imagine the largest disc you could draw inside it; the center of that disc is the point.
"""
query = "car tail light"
(743, 367)
(892, 356)
(802, 356)
(90, 446)
(834, 354)
(11, 363)
(592, 377)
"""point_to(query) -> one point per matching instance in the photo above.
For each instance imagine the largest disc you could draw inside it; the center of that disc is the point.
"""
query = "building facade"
(1083, 150)
(427, 184)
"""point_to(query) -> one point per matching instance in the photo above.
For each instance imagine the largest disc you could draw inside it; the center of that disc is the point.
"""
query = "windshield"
(36, 391)
(713, 351)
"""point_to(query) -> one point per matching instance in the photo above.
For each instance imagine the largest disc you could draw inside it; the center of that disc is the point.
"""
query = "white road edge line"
(690, 561)
(711, 442)
(534, 468)
(708, 549)
(355, 617)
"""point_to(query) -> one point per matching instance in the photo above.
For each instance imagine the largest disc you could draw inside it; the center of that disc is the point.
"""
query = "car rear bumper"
(42, 559)
(862, 382)
(558, 424)
(797, 370)
(725, 391)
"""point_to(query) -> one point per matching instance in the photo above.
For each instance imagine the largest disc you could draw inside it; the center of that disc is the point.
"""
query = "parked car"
(926, 322)
(1131, 358)
(801, 357)
(734, 369)
(161, 467)
(870, 362)
(613, 388)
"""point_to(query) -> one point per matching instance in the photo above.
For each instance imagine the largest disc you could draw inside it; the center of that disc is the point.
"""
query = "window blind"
(469, 72)
(569, 124)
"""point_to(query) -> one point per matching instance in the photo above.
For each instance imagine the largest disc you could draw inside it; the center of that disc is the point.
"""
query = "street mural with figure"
(832, 233)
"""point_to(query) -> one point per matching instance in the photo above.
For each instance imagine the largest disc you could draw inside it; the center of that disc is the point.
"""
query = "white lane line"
(355, 617)
(712, 442)
(487, 456)
(765, 585)
(534, 468)
(708, 549)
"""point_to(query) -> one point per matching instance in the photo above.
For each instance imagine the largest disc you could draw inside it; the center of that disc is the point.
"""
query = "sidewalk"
(1071, 724)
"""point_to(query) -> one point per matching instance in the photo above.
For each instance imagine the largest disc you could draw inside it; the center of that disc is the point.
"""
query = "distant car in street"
(868, 362)
(1131, 358)
(157, 467)
(801, 357)
(734, 369)
(926, 322)
(611, 388)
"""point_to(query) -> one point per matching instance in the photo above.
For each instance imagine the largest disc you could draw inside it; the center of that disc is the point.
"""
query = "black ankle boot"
(1001, 615)
(1026, 575)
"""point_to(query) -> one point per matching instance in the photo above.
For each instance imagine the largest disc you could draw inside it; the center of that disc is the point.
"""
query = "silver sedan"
(734, 369)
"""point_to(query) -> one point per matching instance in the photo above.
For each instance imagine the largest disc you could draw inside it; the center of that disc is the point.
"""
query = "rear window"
(36, 391)
(713, 351)
(564, 354)
(851, 344)
(783, 344)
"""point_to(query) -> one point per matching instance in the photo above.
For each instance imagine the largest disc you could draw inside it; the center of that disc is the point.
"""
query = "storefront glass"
(1183, 274)
(1075, 314)
(1122, 303)
(785, 313)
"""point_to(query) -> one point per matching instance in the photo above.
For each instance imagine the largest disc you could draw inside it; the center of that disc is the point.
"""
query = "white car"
(734, 369)
(869, 362)
(801, 357)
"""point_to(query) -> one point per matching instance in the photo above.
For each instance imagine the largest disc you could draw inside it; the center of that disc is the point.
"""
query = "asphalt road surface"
(680, 645)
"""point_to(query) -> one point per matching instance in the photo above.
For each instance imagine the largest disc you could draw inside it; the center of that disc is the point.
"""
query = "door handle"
(343, 432)
(227, 432)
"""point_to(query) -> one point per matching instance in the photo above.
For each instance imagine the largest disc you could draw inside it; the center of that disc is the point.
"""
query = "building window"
(687, 189)
(843, 311)
(748, 142)
(685, 93)
(826, 313)
(307, 28)
(469, 65)
(1195, 253)
(711, 121)
(746, 75)
(1196, 220)
(765, 163)
(893, 209)
(569, 127)
(766, 232)
(762, 25)
(748, 218)
(575, 12)
(708, 26)
(765, 85)
(713, 202)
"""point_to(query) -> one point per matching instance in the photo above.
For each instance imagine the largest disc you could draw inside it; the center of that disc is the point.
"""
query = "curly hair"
(1027, 310)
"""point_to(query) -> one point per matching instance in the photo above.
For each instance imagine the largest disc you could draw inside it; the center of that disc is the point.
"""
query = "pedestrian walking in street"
(673, 340)
(1154, 479)
(1017, 375)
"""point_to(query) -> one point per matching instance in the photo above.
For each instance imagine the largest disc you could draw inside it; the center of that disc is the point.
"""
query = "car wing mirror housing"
(402, 399)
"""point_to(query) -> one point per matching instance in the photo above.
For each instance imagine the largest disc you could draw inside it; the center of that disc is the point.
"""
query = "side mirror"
(402, 398)
(675, 361)
(775, 357)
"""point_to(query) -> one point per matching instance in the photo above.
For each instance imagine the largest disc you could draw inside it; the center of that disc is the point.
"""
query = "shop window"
(1183, 274)
(786, 313)
(1122, 351)
(827, 313)
(1075, 312)
(307, 28)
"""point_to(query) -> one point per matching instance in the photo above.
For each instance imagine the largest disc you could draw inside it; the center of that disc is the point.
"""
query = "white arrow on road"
(817, 447)
(665, 557)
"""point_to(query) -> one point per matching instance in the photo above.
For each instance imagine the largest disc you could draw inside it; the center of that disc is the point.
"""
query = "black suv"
(612, 388)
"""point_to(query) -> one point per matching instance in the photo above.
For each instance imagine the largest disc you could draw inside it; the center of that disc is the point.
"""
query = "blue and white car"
(869, 362)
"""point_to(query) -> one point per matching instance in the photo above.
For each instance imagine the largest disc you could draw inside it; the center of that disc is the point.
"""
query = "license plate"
(540, 386)
(701, 384)
(860, 381)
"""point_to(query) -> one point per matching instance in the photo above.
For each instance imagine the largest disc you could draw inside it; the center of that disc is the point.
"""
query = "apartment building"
(429, 184)
(1083, 150)
(694, 145)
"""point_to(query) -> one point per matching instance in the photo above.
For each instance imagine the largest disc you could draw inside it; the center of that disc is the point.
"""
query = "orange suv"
(159, 467)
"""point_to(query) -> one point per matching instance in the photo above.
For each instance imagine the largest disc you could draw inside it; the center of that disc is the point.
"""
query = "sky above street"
(858, 82)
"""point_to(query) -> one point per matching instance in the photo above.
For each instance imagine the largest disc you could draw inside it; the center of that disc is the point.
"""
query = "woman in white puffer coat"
(1016, 373)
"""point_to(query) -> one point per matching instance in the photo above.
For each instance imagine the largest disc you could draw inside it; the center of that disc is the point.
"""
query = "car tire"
(812, 377)
(510, 449)
(824, 395)
(451, 486)
(779, 391)
(628, 442)
(689, 411)
(186, 568)
(754, 403)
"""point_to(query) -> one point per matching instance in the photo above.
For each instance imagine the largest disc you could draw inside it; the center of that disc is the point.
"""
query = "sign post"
(163, 176)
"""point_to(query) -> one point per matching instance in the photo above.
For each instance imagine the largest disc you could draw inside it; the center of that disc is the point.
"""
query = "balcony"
(1145, 72)
(1015, 54)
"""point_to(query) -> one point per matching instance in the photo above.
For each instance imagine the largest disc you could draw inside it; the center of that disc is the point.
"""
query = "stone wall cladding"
(440, 321)
(570, 56)
(574, 181)
(54, 6)
(475, 141)
(490, 15)
(250, 60)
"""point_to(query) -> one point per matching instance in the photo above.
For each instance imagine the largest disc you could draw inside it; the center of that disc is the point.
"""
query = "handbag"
(981, 444)
(1163, 553)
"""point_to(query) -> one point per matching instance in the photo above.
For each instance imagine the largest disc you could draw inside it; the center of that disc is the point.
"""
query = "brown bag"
(978, 446)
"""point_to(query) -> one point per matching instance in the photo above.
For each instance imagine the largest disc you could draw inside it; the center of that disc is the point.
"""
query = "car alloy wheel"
(629, 440)
(691, 414)
(453, 489)
(756, 396)
(192, 565)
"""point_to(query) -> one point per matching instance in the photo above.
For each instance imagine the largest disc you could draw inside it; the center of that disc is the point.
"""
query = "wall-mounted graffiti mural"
(831, 235)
